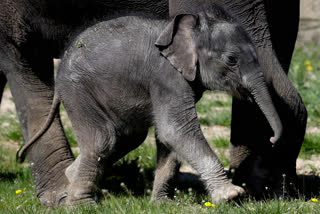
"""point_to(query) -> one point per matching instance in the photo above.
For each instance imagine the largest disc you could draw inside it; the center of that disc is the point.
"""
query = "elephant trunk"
(258, 89)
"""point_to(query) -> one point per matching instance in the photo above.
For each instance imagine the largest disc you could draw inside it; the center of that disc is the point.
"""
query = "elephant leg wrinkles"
(32, 90)
(166, 172)
(100, 147)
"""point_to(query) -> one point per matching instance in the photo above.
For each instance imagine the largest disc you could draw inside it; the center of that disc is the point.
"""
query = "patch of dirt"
(11, 145)
(218, 96)
(309, 167)
(216, 132)
(7, 103)
(313, 130)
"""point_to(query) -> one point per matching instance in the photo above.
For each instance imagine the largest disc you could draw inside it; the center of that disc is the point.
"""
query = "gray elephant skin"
(33, 32)
(121, 76)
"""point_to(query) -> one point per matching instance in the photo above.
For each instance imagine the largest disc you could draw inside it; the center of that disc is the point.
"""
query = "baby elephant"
(121, 76)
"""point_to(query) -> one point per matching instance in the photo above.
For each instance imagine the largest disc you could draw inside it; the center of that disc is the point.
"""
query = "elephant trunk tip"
(277, 137)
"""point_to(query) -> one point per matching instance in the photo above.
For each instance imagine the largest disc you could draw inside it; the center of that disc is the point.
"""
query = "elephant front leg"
(167, 169)
(179, 129)
(31, 84)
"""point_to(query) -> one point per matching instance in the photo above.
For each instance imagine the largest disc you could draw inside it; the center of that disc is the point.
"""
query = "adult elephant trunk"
(258, 89)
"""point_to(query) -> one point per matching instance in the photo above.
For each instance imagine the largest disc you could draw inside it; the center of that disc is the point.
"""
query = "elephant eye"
(231, 60)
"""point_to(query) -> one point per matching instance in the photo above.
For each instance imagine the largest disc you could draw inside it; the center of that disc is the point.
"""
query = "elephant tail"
(22, 152)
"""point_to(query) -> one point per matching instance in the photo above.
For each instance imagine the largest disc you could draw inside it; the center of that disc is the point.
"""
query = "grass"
(310, 146)
(124, 202)
(215, 109)
(305, 74)
(220, 142)
(10, 129)
(129, 182)
(15, 177)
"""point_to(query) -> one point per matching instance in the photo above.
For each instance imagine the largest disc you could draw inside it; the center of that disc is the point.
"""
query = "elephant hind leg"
(167, 169)
(99, 149)
(84, 173)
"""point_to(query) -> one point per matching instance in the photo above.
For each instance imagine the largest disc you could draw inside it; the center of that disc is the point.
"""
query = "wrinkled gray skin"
(122, 76)
(34, 32)
(263, 169)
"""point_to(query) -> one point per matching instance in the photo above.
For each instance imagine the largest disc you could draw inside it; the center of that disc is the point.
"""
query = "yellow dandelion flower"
(314, 200)
(213, 205)
(307, 62)
(18, 191)
(207, 204)
(309, 67)
(25, 189)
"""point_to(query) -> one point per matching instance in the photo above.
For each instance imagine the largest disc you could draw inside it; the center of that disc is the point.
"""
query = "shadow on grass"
(130, 178)
(9, 176)
(309, 186)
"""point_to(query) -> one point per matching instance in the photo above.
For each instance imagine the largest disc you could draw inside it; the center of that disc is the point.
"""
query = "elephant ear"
(176, 44)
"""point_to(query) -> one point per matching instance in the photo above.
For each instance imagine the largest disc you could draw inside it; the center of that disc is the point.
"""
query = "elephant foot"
(83, 194)
(53, 198)
(162, 196)
(55, 194)
(163, 192)
(84, 201)
(226, 193)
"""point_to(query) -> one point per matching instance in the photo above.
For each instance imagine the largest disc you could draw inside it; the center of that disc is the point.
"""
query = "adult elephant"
(33, 32)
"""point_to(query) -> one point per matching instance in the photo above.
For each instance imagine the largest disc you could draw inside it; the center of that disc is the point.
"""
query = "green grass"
(215, 109)
(307, 79)
(220, 142)
(310, 146)
(15, 177)
(10, 129)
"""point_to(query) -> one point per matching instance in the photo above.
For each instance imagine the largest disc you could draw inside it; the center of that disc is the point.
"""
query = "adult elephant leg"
(293, 114)
(258, 164)
(283, 29)
(31, 82)
(251, 154)
(167, 169)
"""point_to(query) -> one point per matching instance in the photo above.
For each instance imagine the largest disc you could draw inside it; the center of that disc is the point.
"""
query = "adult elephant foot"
(227, 192)
(32, 90)
(48, 159)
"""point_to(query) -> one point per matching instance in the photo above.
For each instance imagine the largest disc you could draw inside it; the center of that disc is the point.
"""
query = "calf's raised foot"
(226, 193)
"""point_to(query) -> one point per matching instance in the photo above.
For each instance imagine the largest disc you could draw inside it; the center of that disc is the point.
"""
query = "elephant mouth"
(242, 93)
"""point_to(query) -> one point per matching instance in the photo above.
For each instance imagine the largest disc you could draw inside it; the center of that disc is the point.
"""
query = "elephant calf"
(121, 76)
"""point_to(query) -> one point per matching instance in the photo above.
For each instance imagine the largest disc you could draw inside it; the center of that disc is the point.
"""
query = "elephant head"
(274, 37)
(213, 45)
